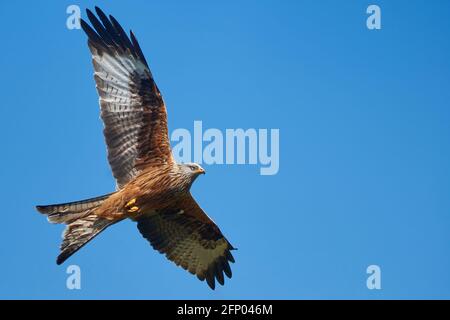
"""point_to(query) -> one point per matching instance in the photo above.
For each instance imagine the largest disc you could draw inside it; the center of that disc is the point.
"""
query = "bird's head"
(193, 170)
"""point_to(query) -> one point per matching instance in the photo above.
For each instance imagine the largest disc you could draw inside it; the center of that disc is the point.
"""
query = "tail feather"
(79, 233)
(83, 224)
(68, 212)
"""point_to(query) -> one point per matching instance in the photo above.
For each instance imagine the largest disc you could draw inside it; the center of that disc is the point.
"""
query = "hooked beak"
(200, 171)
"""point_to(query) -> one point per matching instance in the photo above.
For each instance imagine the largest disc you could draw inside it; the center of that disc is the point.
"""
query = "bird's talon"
(130, 206)
(133, 209)
(130, 203)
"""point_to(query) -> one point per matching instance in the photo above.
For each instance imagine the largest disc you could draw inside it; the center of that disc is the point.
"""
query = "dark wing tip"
(99, 11)
(92, 18)
(229, 256)
(137, 47)
(227, 269)
(125, 41)
(92, 35)
(61, 258)
(210, 279)
(216, 272)
(85, 26)
(107, 32)
(219, 272)
(42, 209)
(89, 12)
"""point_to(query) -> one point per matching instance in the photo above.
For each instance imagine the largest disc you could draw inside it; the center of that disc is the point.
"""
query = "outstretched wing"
(188, 237)
(132, 107)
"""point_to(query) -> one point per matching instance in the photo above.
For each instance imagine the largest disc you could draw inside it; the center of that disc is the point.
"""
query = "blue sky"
(364, 146)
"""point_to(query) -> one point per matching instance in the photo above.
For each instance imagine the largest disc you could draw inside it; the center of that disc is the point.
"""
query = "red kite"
(153, 189)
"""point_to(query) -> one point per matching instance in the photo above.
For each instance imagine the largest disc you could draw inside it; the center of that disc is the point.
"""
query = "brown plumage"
(153, 189)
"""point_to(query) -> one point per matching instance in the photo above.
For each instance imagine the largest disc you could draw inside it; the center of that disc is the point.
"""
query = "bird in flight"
(152, 189)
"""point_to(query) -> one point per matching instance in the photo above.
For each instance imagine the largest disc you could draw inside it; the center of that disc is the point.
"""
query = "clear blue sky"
(364, 146)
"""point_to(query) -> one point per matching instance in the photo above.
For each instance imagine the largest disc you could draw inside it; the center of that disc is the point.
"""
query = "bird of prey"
(152, 189)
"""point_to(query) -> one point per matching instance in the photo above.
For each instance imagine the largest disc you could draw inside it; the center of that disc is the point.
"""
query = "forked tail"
(82, 223)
